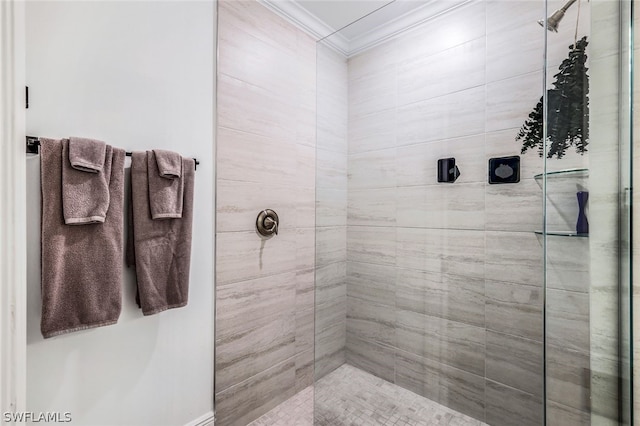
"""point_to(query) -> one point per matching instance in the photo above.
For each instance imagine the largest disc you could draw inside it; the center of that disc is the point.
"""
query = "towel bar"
(33, 143)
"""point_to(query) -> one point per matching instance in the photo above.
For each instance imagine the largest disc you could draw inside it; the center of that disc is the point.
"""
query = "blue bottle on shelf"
(582, 226)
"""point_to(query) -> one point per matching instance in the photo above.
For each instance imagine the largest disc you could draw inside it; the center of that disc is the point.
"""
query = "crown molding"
(403, 23)
(292, 11)
(308, 22)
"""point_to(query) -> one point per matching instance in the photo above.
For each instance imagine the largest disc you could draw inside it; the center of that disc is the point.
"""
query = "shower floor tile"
(350, 396)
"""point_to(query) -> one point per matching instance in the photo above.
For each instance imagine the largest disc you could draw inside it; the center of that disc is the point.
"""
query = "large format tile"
(371, 357)
(331, 244)
(510, 101)
(331, 206)
(418, 164)
(453, 206)
(454, 388)
(370, 282)
(506, 406)
(331, 169)
(568, 377)
(370, 244)
(449, 71)
(457, 252)
(238, 204)
(248, 157)
(515, 257)
(248, 108)
(456, 344)
(516, 207)
(568, 320)
(246, 401)
(515, 362)
(245, 255)
(372, 169)
(371, 321)
(514, 309)
(372, 207)
(449, 116)
(452, 297)
(329, 349)
(255, 327)
(372, 93)
(372, 132)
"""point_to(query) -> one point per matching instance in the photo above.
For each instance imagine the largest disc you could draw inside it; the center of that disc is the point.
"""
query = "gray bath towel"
(87, 155)
(81, 265)
(166, 185)
(85, 195)
(162, 248)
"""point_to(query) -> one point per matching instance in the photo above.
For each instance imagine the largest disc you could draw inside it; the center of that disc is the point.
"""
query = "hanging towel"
(162, 248)
(169, 163)
(81, 265)
(166, 185)
(87, 155)
(85, 195)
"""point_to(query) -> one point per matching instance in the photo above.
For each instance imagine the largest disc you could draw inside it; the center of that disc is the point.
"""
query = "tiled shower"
(478, 297)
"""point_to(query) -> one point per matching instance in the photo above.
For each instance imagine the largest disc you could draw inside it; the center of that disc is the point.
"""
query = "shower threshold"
(350, 396)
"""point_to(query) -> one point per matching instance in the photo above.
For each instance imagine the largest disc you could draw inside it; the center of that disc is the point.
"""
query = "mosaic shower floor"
(350, 396)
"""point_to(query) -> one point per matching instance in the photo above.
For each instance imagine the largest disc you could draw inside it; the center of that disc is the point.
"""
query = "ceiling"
(360, 24)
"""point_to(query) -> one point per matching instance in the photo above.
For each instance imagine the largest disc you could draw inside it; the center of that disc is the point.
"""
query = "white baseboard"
(204, 420)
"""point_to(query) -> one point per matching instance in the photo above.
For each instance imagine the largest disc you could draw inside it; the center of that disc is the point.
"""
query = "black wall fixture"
(447, 170)
(504, 170)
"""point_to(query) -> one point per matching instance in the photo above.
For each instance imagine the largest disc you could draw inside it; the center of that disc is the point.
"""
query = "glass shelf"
(563, 173)
(564, 234)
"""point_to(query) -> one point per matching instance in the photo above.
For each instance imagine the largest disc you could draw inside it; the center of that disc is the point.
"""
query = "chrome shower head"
(554, 20)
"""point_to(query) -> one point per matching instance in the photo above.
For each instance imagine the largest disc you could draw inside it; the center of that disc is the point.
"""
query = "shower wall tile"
(568, 264)
(374, 169)
(561, 415)
(514, 257)
(372, 207)
(510, 101)
(568, 319)
(247, 157)
(515, 362)
(372, 283)
(451, 251)
(443, 206)
(506, 406)
(514, 309)
(373, 92)
(444, 32)
(371, 321)
(248, 400)
(332, 169)
(330, 352)
(452, 297)
(514, 207)
(244, 256)
(370, 244)
(502, 143)
(256, 321)
(371, 357)
(569, 377)
(456, 344)
(331, 245)
(446, 385)
(239, 202)
(331, 206)
(372, 132)
(418, 164)
(266, 158)
(245, 107)
(449, 116)
(459, 68)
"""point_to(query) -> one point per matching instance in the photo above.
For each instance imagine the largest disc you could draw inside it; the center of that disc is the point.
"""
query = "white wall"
(138, 75)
